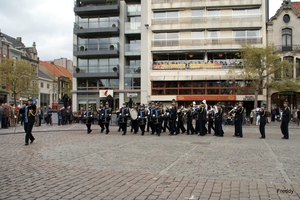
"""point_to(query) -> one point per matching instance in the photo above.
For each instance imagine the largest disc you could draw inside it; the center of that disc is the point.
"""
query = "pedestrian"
(59, 117)
(41, 115)
(5, 117)
(101, 117)
(263, 121)
(107, 117)
(239, 113)
(298, 116)
(1, 115)
(63, 116)
(273, 113)
(142, 116)
(251, 116)
(286, 117)
(69, 115)
(218, 121)
(29, 112)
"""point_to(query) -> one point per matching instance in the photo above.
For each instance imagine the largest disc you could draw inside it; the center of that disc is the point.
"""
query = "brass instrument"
(232, 110)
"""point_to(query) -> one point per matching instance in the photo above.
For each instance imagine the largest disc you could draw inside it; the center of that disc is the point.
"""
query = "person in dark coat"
(29, 111)
(286, 117)
(63, 116)
(263, 121)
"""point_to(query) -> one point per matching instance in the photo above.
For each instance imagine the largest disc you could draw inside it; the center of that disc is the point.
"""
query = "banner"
(169, 66)
(105, 93)
(205, 66)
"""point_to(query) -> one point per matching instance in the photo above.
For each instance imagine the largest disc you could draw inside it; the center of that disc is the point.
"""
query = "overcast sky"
(50, 24)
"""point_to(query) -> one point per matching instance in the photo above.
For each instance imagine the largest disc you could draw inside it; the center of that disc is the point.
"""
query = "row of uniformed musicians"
(156, 119)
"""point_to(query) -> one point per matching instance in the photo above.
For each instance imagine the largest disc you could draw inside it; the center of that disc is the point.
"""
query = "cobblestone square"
(67, 163)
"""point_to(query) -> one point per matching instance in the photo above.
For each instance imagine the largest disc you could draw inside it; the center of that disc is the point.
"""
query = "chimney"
(19, 39)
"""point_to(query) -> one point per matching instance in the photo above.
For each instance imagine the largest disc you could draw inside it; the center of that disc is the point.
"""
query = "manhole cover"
(201, 143)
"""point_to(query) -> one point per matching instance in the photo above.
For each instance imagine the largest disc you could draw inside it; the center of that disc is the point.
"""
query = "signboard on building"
(105, 93)
(206, 97)
(205, 66)
(168, 66)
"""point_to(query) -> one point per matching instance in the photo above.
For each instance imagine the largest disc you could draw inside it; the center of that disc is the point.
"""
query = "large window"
(241, 12)
(98, 65)
(93, 84)
(246, 36)
(213, 15)
(287, 39)
(171, 14)
(166, 39)
(289, 72)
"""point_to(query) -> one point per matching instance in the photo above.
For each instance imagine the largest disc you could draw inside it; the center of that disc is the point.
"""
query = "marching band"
(156, 118)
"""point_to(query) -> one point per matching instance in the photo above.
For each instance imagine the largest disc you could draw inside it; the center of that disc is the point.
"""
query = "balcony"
(96, 50)
(205, 43)
(132, 49)
(132, 27)
(133, 10)
(97, 71)
(89, 29)
(216, 64)
(207, 22)
(132, 71)
(97, 7)
(167, 4)
(280, 48)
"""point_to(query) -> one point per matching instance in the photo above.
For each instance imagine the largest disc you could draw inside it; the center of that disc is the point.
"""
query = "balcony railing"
(133, 49)
(134, 10)
(90, 3)
(100, 24)
(132, 27)
(281, 48)
(207, 19)
(203, 3)
(96, 47)
(195, 64)
(132, 69)
(207, 41)
(98, 69)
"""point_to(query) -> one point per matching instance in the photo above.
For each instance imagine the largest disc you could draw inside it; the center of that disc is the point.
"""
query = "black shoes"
(102, 130)
(26, 144)
(32, 141)
(261, 138)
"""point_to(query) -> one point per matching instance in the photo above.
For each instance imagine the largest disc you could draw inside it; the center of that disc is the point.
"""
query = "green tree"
(17, 76)
(258, 65)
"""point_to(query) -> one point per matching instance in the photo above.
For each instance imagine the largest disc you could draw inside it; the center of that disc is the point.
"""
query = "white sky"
(50, 24)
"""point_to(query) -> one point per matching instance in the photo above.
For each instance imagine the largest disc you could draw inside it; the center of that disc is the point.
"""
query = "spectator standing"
(63, 116)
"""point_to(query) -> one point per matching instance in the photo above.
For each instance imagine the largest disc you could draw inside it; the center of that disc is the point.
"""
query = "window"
(287, 39)
(214, 35)
(166, 39)
(48, 86)
(197, 35)
(289, 72)
(197, 13)
(213, 15)
(247, 37)
(42, 84)
(172, 14)
(240, 12)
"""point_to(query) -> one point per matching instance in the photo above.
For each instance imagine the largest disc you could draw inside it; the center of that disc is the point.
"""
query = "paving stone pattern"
(67, 163)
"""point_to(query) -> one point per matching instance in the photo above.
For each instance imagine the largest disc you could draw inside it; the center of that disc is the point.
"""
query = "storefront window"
(198, 91)
(157, 92)
(214, 91)
(171, 92)
(185, 92)
(158, 84)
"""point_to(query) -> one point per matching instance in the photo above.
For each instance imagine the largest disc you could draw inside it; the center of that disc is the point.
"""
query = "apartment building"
(282, 31)
(159, 50)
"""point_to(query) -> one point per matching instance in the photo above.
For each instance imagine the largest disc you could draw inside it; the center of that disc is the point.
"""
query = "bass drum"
(133, 114)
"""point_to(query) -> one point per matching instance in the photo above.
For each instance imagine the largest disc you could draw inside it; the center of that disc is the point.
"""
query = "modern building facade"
(159, 50)
(282, 31)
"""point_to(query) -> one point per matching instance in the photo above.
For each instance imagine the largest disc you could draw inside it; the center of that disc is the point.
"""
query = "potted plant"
(77, 69)
(81, 27)
(82, 48)
(111, 47)
(115, 69)
(114, 25)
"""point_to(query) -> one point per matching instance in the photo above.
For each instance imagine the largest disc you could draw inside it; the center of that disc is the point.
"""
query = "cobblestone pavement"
(67, 163)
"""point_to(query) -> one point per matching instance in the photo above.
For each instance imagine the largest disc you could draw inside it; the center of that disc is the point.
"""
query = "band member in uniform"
(149, 116)
(29, 112)
(210, 118)
(101, 115)
(124, 114)
(134, 121)
(218, 121)
(173, 117)
(107, 116)
(166, 120)
(202, 120)
(286, 117)
(88, 115)
(156, 118)
(263, 121)
(239, 113)
(189, 121)
(180, 125)
(142, 116)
